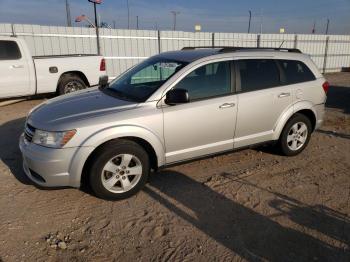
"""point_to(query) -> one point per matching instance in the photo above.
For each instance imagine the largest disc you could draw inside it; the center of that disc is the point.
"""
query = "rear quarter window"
(9, 50)
(296, 71)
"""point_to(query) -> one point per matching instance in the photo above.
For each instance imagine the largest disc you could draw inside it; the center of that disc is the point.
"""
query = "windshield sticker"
(168, 65)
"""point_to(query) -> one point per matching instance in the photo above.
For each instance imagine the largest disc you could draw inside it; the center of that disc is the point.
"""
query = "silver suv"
(172, 107)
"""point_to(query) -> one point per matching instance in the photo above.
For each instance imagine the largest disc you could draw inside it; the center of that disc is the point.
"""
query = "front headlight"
(52, 139)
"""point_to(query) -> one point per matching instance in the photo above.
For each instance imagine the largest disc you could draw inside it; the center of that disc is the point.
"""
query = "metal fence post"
(159, 47)
(295, 41)
(325, 56)
(258, 41)
(213, 40)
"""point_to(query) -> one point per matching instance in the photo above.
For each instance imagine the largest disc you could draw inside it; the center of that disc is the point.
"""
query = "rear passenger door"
(261, 100)
(300, 78)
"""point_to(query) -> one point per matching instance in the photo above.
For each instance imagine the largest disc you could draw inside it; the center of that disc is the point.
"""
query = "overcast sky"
(296, 16)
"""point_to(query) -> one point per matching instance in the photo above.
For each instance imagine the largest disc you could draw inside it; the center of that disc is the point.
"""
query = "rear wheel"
(119, 170)
(295, 135)
(70, 83)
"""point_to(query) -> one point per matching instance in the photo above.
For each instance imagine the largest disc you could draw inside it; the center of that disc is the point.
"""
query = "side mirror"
(176, 96)
(103, 81)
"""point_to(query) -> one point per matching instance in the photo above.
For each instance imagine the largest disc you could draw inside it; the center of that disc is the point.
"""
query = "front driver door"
(14, 70)
(206, 124)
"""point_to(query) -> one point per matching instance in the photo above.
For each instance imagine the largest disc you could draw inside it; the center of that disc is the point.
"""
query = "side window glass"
(296, 71)
(9, 50)
(208, 81)
(257, 74)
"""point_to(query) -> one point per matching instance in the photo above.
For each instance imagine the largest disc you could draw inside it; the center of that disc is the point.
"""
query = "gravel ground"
(248, 205)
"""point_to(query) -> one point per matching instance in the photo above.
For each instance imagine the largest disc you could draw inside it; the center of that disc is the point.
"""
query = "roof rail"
(224, 49)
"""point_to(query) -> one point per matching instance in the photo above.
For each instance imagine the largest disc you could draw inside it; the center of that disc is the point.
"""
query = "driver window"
(208, 81)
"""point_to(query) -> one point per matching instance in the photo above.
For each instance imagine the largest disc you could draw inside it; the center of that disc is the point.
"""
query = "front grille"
(29, 132)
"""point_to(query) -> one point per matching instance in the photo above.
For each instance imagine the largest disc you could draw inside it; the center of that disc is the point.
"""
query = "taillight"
(103, 65)
(325, 87)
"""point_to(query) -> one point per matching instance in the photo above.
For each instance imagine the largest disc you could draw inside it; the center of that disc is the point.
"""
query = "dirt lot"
(249, 205)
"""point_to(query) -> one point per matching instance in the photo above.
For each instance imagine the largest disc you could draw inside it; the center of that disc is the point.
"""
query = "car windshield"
(141, 81)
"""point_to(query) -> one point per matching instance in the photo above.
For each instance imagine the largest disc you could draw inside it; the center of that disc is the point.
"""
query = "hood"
(63, 111)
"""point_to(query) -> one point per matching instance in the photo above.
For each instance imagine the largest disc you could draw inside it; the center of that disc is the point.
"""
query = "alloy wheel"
(297, 136)
(121, 173)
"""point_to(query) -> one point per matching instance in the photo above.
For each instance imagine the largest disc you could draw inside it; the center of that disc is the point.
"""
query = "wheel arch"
(145, 139)
(305, 108)
(80, 74)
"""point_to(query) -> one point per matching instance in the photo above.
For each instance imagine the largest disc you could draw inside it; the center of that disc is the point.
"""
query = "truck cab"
(22, 74)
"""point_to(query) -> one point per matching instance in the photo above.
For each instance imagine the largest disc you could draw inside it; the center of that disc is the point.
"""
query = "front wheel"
(119, 170)
(295, 135)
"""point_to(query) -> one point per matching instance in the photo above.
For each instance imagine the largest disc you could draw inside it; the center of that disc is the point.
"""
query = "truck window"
(9, 50)
(296, 71)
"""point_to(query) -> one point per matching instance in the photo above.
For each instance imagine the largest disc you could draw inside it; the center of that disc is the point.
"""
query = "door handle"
(283, 95)
(16, 66)
(227, 105)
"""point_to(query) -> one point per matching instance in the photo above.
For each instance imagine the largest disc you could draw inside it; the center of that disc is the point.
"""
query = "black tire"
(283, 144)
(105, 154)
(68, 80)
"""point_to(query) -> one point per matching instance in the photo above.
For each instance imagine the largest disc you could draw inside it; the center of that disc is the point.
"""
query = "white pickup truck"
(24, 75)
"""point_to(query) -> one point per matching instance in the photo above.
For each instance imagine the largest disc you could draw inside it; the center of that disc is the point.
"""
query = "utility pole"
(97, 32)
(97, 2)
(250, 18)
(113, 24)
(327, 26)
(261, 21)
(69, 20)
(175, 13)
(314, 28)
(137, 22)
(127, 6)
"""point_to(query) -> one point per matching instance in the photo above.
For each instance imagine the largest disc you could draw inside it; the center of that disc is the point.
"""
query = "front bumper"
(51, 167)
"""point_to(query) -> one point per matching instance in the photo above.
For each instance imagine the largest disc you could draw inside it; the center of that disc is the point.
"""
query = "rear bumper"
(50, 167)
(320, 111)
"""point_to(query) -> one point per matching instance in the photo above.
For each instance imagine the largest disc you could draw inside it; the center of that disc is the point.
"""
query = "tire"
(70, 83)
(294, 138)
(112, 171)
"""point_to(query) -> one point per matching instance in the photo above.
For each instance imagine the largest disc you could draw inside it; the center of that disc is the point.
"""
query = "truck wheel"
(295, 135)
(119, 170)
(70, 83)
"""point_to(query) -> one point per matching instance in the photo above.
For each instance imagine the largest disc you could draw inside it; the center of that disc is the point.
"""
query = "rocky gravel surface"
(249, 205)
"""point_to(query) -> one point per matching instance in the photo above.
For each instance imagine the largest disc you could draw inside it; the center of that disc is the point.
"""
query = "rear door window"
(9, 50)
(257, 74)
(296, 71)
